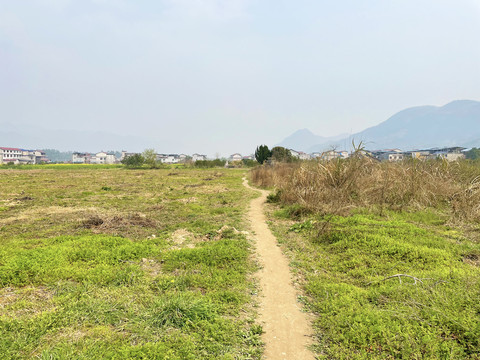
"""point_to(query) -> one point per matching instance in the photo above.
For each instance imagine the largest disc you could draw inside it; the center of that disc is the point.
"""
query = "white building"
(21, 156)
(11, 155)
(235, 157)
(168, 158)
(41, 157)
(331, 155)
(81, 158)
(103, 158)
(197, 157)
(294, 153)
(303, 156)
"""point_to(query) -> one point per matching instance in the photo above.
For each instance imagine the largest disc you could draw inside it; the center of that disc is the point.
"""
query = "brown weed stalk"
(338, 186)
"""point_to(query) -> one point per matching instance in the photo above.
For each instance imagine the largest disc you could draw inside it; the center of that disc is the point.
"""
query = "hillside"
(304, 139)
(455, 124)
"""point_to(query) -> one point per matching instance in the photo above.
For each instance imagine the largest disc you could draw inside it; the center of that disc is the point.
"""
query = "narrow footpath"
(287, 331)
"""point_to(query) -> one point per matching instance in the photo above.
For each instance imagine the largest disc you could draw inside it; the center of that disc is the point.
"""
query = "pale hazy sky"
(226, 75)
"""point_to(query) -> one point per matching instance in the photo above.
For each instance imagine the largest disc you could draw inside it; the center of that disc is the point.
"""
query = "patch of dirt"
(189, 200)
(225, 229)
(24, 198)
(192, 186)
(58, 212)
(215, 189)
(472, 259)
(152, 267)
(287, 330)
(34, 300)
(104, 223)
(182, 238)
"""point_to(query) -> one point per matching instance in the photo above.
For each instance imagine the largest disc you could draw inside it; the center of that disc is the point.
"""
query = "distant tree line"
(473, 154)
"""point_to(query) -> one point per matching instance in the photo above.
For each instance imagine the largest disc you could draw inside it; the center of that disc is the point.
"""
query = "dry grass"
(336, 187)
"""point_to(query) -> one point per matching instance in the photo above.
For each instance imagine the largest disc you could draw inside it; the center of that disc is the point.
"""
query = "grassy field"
(103, 263)
(384, 281)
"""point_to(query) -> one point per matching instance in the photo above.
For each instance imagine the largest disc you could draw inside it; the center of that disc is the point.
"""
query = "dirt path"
(287, 329)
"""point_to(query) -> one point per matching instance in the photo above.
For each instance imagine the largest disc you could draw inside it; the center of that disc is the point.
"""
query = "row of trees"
(278, 153)
(262, 154)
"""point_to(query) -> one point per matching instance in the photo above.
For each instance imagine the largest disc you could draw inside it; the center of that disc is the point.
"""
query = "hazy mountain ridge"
(303, 139)
(454, 124)
(36, 137)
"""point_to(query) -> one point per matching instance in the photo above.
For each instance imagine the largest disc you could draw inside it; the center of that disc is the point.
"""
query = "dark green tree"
(262, 153)
(281, 154)
(133, 161)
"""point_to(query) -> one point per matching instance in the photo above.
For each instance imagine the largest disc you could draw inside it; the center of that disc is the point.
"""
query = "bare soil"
(287, 330)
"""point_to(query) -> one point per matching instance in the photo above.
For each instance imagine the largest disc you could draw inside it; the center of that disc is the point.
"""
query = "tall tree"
(150, 157)
(262, 153)
(133, 161)
(281, 154)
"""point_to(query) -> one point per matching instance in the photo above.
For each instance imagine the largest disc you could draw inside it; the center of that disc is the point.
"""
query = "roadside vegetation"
(388, 254)
(101, 262)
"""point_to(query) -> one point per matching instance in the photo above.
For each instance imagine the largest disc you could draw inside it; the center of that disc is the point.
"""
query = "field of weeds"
(99, 263)
(388, 254)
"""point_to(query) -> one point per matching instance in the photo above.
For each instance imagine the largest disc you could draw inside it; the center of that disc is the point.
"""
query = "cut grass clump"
(180, 310)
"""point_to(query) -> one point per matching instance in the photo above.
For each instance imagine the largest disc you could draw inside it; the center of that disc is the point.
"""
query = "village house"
(197, 157)
(41, 157)
(390, 155)
(331, 155)
(81, 158)
(21, 156)
(235, 157)
(168, 158)
(294, 153)
(449, 153)
(103, 157)
(126, 154)
(11, 155)
(27, 157)
(303, 156)
(161, 158)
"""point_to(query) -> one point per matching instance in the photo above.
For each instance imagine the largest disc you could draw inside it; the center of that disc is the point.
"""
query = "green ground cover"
(398, 286)
(104, 263)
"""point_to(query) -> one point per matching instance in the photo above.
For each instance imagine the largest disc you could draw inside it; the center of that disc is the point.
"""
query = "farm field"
(99, 263)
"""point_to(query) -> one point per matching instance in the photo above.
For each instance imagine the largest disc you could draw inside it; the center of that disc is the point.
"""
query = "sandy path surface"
(287, 331)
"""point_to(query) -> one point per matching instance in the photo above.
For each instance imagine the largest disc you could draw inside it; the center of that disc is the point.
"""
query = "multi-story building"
(11, 155)
(103, 158)
(81, 158)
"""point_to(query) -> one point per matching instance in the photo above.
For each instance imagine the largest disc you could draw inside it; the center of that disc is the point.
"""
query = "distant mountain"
(455, 124)
(304, 139)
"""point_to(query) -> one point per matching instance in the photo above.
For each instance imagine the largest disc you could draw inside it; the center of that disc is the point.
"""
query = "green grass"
(345, 265)
(109, 263)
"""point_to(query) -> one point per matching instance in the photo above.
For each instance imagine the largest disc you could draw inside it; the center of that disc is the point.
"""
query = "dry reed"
(337, 186)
